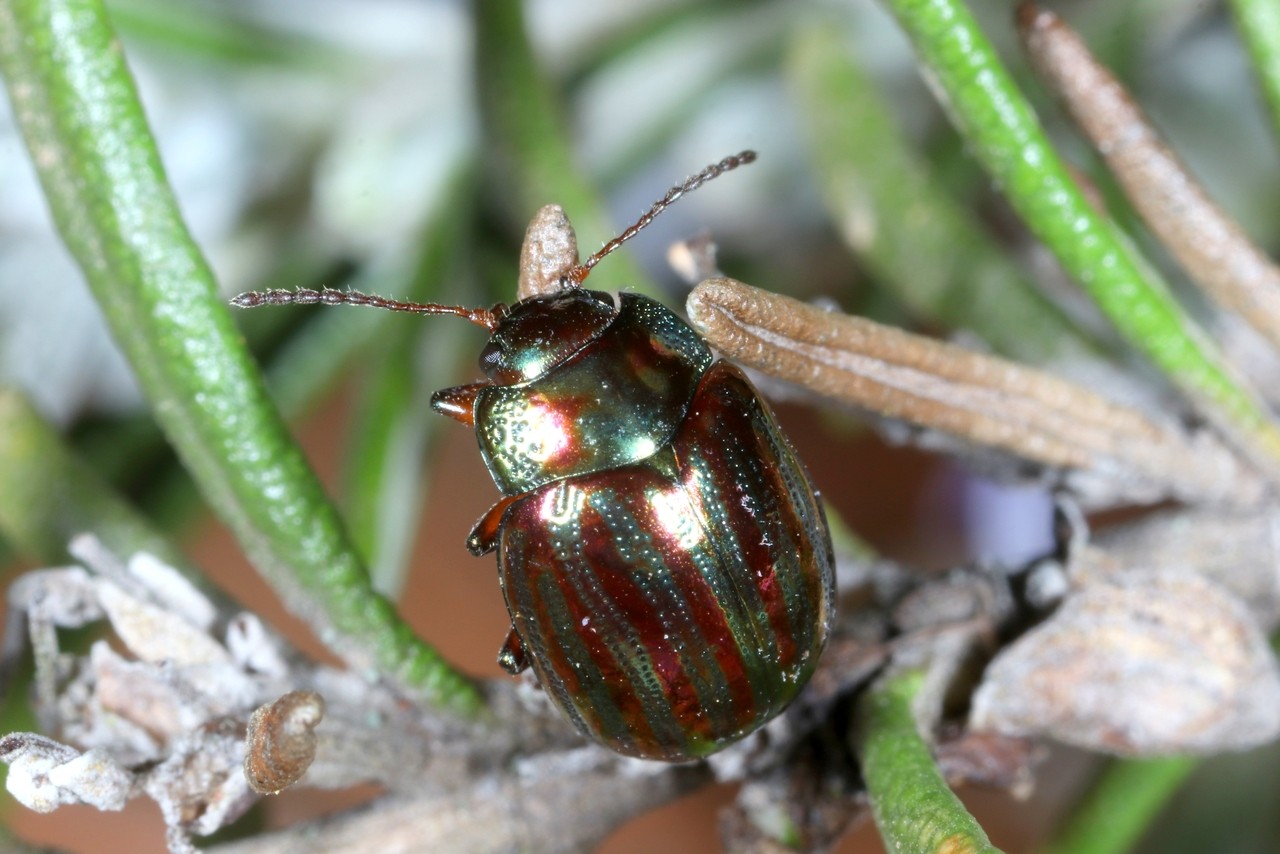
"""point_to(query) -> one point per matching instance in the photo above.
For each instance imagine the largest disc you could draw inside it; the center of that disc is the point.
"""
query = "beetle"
(664, 557)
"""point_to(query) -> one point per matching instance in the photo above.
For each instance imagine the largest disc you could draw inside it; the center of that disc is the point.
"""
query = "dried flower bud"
(1141, 664)
(254, 648)
(171, 590)
(1239, 550)
(155, 634)
(956, 597)
(282, 741)
(549, 252)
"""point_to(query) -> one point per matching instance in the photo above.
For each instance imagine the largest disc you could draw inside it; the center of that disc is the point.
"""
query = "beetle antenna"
(579, 272)
(486, 317)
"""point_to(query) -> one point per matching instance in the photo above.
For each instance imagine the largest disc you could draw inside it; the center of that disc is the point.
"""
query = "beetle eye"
(491, 359)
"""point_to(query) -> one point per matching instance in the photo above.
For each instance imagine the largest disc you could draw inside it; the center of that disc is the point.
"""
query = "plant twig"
(539, 811)
(78, 110)
(1209, 245)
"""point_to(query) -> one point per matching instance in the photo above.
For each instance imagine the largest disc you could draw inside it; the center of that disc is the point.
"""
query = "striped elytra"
(673, 605)
(664, 557)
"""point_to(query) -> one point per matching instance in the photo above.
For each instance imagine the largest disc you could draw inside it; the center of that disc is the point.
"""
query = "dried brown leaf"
(983, 399)
(1210, 245)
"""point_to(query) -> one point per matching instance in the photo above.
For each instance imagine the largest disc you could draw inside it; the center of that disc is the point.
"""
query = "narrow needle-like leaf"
(533, 153)
(898, 220)
(385, 488)
(1005, 136)
(1121, 805)
(914, 808)
(75, 102)
(1259, 24)
(49, 495)
(1212, 248)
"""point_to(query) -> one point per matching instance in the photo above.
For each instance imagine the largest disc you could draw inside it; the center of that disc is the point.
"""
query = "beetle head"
(539, 333)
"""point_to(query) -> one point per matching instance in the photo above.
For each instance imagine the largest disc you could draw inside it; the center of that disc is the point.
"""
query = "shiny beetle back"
(674, 605)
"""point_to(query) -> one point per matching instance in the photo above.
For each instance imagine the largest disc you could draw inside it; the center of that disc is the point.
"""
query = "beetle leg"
(511, 657)
(458, 402)
(484, 536)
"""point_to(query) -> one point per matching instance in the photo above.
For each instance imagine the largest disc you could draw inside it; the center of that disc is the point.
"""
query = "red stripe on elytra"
(713, 626)
(542, 558)
(615, 575)
(720, 428)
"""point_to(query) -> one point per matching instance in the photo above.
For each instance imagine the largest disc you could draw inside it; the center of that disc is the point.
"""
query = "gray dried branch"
(1213, 249)
(177, 728)
(1108, 451)
(171, 716)
(569, 809)
(464, 787)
